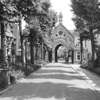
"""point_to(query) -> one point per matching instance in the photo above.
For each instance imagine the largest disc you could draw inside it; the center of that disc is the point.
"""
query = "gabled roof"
(75, 33)
(61, 26)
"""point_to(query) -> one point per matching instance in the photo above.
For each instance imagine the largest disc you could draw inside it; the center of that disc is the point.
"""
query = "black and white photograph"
(49, 49)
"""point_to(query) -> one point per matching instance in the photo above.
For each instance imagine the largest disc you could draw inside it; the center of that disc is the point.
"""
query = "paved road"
(92, 78)
(56, 81)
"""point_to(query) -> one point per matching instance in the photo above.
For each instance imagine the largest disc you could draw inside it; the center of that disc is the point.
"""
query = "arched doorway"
(56, 49)
(68, 54)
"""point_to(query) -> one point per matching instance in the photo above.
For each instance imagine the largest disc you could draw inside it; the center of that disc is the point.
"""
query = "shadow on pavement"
(52, 83)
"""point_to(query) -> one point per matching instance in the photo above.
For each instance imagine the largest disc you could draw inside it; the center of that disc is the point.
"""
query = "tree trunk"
(3, 43)
(21, 40)
(36, 52)
(36, 55)
(26, 55)
(44, 54)
(32, 52)
(92, 44)
(81, 48)
(4, 49)
(42, 51)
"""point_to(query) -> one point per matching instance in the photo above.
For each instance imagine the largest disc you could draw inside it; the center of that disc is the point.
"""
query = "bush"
(19, 66)
(97, 70)
(12, 79)
(15, 75)
(84, 65)
(87, 64)
(31, 68)
(3, 81)
(16, 72)
(96, 63)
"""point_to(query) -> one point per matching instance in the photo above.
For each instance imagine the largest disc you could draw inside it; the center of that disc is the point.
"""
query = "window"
(78, 56)
(56, 34)
(60, 32)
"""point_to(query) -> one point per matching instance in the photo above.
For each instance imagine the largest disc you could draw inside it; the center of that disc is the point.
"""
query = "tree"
(81, 28)
(88, 10)
(42, 24)
(33, 22)
(6, 13)
(24, 9)
(48, 22)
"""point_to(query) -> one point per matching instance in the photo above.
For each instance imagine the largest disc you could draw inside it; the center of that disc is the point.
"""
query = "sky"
(64, 7)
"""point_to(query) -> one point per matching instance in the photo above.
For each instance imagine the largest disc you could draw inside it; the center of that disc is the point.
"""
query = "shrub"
(96, 63)
(97, 70)
(3, 81)
(19, 66)
(12, 79)
(84, 65)
(15, 75)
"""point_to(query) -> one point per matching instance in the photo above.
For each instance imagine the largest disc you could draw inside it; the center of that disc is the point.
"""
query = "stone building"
(61, 36)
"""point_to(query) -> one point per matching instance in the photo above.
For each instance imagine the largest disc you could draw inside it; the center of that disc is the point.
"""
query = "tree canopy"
(87, 19)
(43, 23)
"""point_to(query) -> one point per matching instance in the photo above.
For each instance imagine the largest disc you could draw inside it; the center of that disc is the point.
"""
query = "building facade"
(61, 36)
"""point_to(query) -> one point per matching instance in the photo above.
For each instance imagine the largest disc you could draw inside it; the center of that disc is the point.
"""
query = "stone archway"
(69, 54)
(56, 48)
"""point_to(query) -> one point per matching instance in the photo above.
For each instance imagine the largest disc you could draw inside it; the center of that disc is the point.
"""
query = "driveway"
(55, 81)
(92, 78)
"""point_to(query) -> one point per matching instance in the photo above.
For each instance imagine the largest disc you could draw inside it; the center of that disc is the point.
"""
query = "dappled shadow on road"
(52, 83)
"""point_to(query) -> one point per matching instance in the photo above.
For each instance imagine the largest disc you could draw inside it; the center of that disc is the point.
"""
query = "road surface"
(55, 81)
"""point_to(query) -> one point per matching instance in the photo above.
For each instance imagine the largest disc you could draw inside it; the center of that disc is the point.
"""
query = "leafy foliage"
(81, 27)
(86, 14)
(40, 19)
(7, 10)
(41, 25)
(87, 19)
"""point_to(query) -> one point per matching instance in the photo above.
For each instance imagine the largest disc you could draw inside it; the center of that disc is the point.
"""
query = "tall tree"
(6, 13)
(24, 9)
(88, 10)
(42, 23)
(81, 28)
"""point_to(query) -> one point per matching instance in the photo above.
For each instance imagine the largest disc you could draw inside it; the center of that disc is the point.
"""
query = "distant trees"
(87, 19)
(6, 13)
(40, 26)
(27, 9)
(38, 15)
(40, 21)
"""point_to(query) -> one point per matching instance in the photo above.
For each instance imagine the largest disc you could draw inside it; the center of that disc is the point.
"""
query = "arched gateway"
(61, 36)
